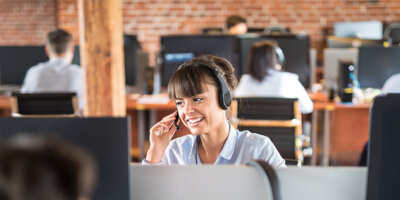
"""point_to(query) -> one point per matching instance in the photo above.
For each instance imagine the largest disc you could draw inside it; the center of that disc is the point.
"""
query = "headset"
(224, 94)
(279, 54)
(278, 51)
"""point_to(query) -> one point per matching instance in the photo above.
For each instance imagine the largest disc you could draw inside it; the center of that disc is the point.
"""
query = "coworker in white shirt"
(266, 79)
(196, 88)
(392, 84)
(57, 74)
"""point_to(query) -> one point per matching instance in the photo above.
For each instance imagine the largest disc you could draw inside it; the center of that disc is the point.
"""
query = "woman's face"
(201, 113)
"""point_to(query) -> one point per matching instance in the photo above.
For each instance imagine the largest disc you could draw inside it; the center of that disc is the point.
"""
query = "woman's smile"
(195, 121)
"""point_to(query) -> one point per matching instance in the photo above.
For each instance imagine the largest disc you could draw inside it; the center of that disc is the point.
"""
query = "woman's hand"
(160, 136)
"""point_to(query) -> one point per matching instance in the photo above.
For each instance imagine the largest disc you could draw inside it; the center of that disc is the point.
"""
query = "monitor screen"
(376, 65)
(106, 139)
(338, 42)
(131, 46)
(177, 49)
(332, 58)
(384, 148)
(363, 30)
(296, 49)
(16, 60)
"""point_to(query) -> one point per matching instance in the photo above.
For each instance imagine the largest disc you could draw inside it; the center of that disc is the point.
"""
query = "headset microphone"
(176, 121)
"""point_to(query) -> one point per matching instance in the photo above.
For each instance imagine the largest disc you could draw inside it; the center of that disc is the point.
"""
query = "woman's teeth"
(192, 121)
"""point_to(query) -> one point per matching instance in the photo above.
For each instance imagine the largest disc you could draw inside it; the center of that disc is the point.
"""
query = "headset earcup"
(279, 55)
(227, 100)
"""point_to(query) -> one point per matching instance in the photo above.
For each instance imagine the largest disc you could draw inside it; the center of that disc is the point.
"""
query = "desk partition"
(238, 182)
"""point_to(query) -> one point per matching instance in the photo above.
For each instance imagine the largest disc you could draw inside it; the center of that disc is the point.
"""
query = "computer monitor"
(384, 148)
(16, 60)
(332, 58)
(131, 48)
(362, 29)
(376, 65)
(296, 49)
(177, 49)
(131, 57)
(255, 30)
(212, 31)
(106, 139)
(339, 42)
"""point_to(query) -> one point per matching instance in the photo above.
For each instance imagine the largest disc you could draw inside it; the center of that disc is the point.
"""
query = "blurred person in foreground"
(42, 168)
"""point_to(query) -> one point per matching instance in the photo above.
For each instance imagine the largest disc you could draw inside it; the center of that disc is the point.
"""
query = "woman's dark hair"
(262, 58)
(190, 77)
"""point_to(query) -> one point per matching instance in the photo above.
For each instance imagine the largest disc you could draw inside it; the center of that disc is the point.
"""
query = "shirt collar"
(59, 60)
(230, 144)
(193, 151)
(227, 150)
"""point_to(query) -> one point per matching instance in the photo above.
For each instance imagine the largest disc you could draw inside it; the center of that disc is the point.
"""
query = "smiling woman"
(201, 90)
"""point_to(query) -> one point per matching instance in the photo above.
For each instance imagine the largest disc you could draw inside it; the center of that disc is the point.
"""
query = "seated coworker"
(236, 25)
(197, 91)
(57, 74)
(266, 79)
(392, 84)
(44, 168)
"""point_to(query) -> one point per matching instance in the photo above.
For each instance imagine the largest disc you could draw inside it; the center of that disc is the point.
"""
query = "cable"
(269, 176)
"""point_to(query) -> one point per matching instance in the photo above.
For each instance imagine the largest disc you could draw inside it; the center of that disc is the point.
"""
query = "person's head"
(263, 58)
(236, 24)
(36, 168)
(195, 89)
(59, 44)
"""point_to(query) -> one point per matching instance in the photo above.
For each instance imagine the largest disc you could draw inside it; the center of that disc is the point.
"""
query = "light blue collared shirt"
(239, 148)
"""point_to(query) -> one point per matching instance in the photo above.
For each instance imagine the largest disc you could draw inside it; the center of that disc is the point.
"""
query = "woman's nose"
(188, 108)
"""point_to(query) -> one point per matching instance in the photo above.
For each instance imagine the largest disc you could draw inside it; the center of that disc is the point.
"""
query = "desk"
(345, 131)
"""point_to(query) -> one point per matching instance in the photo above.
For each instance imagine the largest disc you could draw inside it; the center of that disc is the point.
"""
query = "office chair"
(392, 34)
(44, 105)
(277, 118)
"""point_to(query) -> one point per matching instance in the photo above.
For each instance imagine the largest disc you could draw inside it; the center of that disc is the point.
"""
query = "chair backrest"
(383, 153)
(277, 118)
(44, 104)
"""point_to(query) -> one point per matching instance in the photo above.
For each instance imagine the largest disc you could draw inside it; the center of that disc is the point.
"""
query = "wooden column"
(101, 43)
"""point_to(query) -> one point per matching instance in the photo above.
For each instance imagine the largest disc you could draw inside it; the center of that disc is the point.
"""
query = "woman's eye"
(198, 99)
(178, 103)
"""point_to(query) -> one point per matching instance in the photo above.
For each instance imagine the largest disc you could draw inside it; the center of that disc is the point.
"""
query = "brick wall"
(151, 18)
(26, 22)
